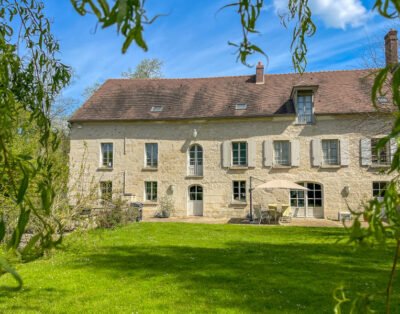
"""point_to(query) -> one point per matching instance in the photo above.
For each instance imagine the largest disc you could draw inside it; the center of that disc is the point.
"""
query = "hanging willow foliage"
(30, 79)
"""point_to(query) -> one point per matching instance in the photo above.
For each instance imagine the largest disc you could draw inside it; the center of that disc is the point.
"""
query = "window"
(107, 155)
(151, 191)
(239, 191)
(310, 198)
(314, 195)
(282, 153)
(157, 108)
(196, 193)
(151, 155)
(379, 189)
(239, 154)
(330, 152)
(106, 190)
(296, 198)
(380, 156)
(304, 107)
(241, 106)
(195, 160)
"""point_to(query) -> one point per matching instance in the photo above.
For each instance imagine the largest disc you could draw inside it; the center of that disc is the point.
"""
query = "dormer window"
(304, 105)
(382, 100)
(240, 106)
(156, 108)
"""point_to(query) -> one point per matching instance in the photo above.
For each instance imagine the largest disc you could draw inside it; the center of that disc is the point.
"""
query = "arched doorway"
(195, 160)
(195, 200)
(308, 203)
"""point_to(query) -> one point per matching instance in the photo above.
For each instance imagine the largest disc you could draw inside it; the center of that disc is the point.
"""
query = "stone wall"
(175, 137)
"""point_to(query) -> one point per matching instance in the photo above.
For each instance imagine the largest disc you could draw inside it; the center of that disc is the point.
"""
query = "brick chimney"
(260, 73)
(391, 52)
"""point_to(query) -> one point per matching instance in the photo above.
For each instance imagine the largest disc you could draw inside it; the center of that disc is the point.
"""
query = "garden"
(180, 267)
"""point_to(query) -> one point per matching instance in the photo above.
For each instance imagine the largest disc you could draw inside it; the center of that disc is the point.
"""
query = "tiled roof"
(338, 92)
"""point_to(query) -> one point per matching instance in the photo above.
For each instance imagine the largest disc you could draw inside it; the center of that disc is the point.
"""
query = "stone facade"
(175, 137)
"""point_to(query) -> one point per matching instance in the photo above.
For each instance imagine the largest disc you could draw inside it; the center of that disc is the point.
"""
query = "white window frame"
(242, 193)
(106, 187)
(197, 168)
(382, 186)
(278, 159)
(375, 155)
(329, 161)
(106, 163)
(304, 118)
(239, 164)
(153, 162)
(153, 191)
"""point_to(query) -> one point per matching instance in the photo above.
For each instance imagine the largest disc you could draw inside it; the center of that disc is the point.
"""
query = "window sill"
(239, 167)
(281, 167)
(192, 176)
(379, 166)
(105, 169)
(330, 166)
(149, 168)
(150, 203)
(238, 203)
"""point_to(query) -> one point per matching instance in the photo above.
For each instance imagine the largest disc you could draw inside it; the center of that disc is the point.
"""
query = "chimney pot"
(391, 48)
(260, 73)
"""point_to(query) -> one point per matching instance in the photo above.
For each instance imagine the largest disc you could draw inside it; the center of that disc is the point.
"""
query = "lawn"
(177, 267)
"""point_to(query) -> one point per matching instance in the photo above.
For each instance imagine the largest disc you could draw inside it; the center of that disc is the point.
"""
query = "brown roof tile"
(338, 92)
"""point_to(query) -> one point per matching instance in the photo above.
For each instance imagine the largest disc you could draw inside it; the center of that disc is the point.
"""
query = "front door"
(307, 203)
(195, 205)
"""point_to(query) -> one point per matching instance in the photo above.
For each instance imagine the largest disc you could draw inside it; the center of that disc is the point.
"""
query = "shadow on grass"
(245, 276)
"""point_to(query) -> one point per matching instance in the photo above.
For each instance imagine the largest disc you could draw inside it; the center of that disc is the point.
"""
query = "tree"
(130, 17)
(29, 84)
(147, 68)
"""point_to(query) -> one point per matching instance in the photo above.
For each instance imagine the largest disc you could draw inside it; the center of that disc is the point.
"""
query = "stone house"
(200, 140)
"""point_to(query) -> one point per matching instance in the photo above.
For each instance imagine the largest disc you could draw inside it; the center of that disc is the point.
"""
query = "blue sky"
(192, 40)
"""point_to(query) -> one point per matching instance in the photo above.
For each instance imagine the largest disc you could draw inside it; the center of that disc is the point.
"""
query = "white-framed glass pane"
(107, 155)
(151, 155)
(239, 190)
(379, 188)
(239, 154)
(106, 190)
(151, 190)
(330, 152)
(380, 156)
(304, 107)
(282, 153)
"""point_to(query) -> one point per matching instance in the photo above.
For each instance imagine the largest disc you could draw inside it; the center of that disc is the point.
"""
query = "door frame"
(188, 200)
(305, 209)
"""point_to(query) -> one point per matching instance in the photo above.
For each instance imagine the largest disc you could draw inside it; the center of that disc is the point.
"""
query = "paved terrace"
(301, 222)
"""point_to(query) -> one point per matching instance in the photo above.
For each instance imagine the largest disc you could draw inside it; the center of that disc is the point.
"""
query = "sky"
(192, 40)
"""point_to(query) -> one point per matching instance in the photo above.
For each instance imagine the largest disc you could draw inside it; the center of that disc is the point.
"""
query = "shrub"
(166, 207)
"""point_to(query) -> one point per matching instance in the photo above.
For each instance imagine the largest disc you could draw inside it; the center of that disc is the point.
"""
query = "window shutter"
(365, 147)
(226, 154)
(251, 153)
(316, 152)
(268, 153)
(344, 152)
(295, 153)
(393, 148)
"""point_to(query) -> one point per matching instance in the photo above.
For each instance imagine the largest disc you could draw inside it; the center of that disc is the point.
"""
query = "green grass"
(172, 267)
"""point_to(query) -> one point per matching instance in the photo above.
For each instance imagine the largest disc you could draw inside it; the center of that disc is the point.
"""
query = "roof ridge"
(233, 76)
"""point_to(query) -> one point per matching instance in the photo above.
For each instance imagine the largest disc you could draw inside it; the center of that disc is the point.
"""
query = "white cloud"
(334, 13)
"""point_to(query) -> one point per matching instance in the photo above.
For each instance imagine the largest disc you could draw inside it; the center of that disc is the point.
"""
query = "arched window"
(196, 193)
(195, 167)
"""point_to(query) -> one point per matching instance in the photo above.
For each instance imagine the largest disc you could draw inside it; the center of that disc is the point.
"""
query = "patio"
(296, 222)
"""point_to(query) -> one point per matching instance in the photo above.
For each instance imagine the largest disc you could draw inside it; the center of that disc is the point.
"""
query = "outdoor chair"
(257, 213)
(266, 215)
